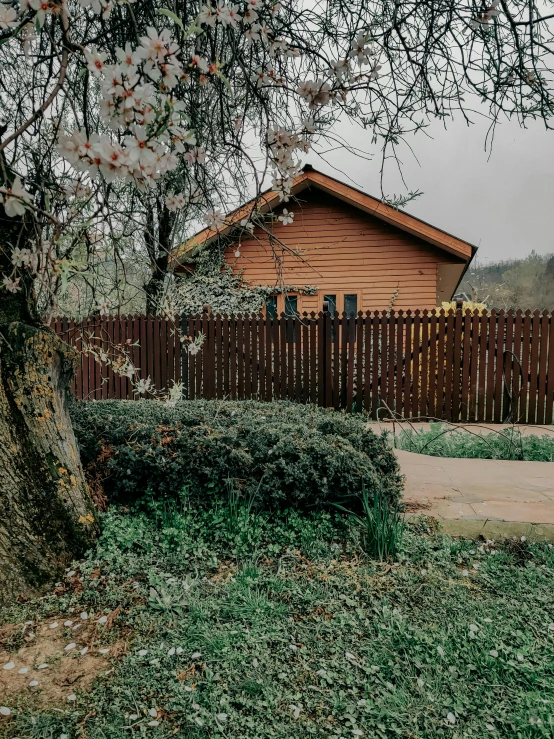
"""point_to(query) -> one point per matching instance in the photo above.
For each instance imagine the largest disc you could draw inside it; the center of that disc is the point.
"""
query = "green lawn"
(223, 623)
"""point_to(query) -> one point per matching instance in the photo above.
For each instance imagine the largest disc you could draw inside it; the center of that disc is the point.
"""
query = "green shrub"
(284, 454)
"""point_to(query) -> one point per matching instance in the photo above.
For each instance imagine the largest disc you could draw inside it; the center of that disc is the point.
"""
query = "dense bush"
(282, 454)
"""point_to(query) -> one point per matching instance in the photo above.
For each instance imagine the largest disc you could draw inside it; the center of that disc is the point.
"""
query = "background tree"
(109, 106)
(518, 283)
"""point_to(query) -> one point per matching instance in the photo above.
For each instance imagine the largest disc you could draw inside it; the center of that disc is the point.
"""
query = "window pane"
(271, 306)
(351, 305)
(291, 305)
(332, 303)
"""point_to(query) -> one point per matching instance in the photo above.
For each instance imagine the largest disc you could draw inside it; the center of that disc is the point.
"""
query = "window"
(331, 301)
(291, 305)
(351, 305)
(271, 306)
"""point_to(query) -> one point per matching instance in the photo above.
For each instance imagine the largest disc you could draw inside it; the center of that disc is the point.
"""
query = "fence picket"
(383, 363)
(359, 397)
(416, 364)
(391, 341)
(549, 400)
(400, 363)
(466, 357)
(455, 382)
(408, 358)
(498, 374)
(506, 365)
(432, 375)
(534, 368)
(233, 352)
(525, 359)
(541, 380)
(424, 360)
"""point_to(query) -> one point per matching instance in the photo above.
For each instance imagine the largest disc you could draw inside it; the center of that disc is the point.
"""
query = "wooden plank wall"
(340, 249)
(450, 366)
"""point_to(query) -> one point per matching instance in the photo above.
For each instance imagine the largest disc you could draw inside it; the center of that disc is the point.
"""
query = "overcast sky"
(501, 201)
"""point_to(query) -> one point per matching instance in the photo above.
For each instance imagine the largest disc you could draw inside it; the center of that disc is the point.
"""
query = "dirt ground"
(29, 646)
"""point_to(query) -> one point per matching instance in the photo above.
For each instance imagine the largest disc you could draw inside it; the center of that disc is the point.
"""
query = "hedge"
(282, 453)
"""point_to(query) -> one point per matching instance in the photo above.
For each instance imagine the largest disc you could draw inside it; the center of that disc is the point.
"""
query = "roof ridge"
(347, 193)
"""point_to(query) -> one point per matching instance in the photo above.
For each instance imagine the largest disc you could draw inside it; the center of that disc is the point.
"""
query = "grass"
(248, 626)
(443, 440)
(381, 525)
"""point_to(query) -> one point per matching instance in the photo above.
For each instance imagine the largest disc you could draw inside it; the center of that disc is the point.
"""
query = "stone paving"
(481, 496)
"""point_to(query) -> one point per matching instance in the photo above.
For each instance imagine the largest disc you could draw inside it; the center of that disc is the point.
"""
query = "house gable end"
(341, 250)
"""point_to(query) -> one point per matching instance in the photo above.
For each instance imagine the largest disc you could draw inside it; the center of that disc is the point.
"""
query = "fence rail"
(455, 366)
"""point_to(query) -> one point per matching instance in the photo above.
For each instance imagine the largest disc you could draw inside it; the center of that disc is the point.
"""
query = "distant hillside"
(518, 283)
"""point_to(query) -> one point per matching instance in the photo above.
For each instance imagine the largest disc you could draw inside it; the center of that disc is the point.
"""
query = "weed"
(381, 525)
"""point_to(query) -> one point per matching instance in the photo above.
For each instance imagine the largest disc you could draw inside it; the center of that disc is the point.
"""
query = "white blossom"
(286, 217)
(359, 50)
(42, 7)
(11, 286)
(8, 16)
(103, 308)
(142, 386)
(214, 218)
(483, 21)
(296, 710)
(315, 92)
(95, 60)
(14, 198)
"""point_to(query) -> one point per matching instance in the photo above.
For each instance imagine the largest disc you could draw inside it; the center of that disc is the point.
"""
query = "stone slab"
(491, 497)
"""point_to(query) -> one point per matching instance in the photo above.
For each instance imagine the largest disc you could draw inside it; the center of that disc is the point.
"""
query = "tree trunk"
(158, 242)
(47, 517)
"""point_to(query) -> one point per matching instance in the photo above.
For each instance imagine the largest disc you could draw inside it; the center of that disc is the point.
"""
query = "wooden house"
(343, 247)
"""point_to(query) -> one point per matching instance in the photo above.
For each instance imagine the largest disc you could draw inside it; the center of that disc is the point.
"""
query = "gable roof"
(310, 177)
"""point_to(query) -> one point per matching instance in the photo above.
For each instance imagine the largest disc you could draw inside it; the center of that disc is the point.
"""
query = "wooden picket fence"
(454, 366)
(150, 343)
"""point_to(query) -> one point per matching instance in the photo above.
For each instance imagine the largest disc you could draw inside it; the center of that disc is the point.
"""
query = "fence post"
(184, 359)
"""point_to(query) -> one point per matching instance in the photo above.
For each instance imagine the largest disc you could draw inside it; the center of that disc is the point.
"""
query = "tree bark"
(47, 517)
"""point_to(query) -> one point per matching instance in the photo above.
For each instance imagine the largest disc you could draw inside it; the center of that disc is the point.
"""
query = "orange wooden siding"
(342, 250)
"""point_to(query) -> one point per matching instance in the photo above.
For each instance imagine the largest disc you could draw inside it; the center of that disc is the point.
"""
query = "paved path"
(481, 496)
